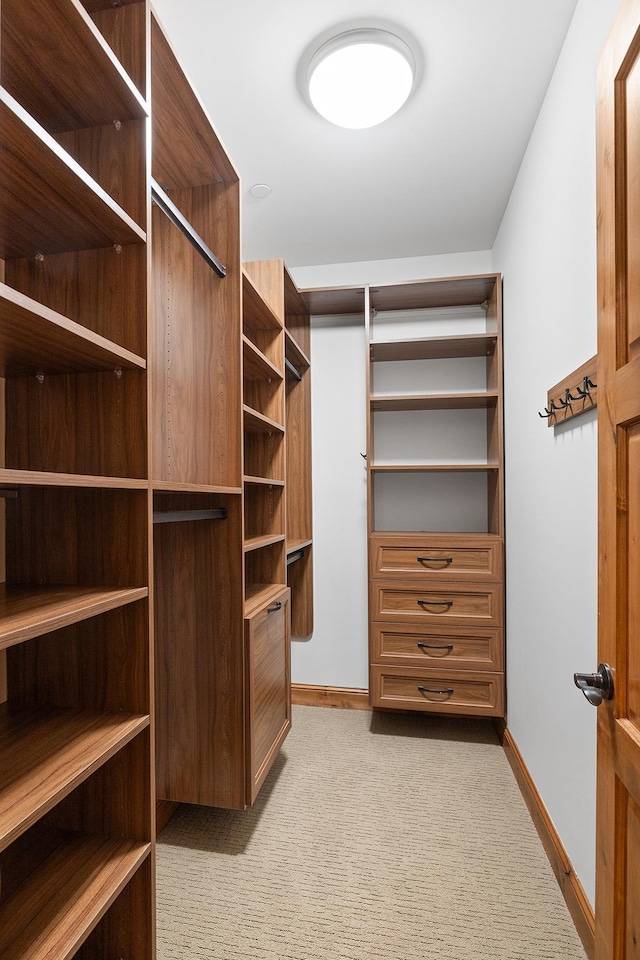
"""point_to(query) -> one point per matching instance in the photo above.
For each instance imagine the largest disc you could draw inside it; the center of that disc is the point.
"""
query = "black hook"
(586, 385)
(549, 413)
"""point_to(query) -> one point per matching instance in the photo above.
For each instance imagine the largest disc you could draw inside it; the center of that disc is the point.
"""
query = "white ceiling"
(433, 179)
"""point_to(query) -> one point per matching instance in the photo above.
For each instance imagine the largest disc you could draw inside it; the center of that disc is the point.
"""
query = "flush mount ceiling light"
(361, 77)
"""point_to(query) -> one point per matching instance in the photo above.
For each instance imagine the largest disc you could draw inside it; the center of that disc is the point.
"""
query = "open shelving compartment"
(76, 823)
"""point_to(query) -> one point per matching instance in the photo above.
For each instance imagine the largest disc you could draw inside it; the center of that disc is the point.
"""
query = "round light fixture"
(361, 77)
(260, 190)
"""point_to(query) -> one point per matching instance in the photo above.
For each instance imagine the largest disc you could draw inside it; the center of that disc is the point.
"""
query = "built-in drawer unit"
(454, 603)
(430, 646)
(437, 691)
(436, 557)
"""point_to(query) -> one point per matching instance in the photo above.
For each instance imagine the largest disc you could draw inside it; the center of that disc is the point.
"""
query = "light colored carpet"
(384, 837)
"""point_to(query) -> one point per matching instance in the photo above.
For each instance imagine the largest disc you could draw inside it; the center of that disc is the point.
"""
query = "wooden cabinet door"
(618, 805)
(268, 640)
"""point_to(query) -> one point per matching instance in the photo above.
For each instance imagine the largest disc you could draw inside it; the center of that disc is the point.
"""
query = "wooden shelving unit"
(435, 490)
(436, 526)
(76, 811)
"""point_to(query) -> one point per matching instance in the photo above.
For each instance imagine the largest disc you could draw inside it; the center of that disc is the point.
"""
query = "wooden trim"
(345, 698)
(165, 809)
(581, 911)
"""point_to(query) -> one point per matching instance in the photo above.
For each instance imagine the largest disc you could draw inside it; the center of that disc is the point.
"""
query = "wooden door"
(618, 807)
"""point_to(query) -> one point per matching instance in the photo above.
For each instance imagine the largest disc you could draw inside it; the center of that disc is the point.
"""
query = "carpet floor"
(375, 837)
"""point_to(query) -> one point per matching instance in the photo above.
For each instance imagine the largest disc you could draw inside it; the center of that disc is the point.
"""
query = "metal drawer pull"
(428, 690)
(446, 560)
(435, 603)
(276, 606)
(435, 646)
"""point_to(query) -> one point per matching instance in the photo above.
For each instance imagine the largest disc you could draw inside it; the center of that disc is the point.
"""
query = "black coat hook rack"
(575, 394)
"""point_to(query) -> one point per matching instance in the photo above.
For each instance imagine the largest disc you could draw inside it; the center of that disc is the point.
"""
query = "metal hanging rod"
(292, 370)
(168, 207)
(186, 516)
(296, 555)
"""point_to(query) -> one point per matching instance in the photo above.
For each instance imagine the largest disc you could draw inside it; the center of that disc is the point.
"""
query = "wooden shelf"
(255, 365)
(56, 908)
(257, 543)
(258, 595)
(53, 87)
(255, 422)
(35, 478)
(440, 467)
(27, 612)
(186, 150)
(170, 486)
(48, 203)
(428, 294)
(294, 353)
(35, 339)
(45, 754)
(255, 308)
(334, 301)
(263, 481)
(435, 348)
(442, 401)
(293, 545)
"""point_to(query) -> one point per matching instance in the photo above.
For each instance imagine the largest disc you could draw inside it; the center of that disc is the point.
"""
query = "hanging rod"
(166, 204)
(292, 370)
(186, 516)
(296, 555)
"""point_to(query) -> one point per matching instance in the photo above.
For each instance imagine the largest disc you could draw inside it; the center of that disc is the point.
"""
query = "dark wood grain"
(91, 424)
(103, 290)
(125, 28)
(195, 355)
(263, 511)
(200, 660)
(53, 86)
(35, 339)
(48, 204)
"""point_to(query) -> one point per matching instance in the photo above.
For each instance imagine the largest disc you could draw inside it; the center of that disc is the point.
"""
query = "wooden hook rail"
(575, 394)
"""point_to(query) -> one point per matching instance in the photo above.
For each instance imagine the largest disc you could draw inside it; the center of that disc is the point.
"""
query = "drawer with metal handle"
(436, 557)
(461, 648)
(455, 603)
(452, 691)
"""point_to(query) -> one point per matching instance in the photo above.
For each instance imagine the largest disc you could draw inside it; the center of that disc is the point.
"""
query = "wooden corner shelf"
(29, 611)
(53, 87)
(56, 908)
(434, 348)
(35, 339)
(443, 401)
(293, 545)
(171, 486)
(48, 203)
(45, 754)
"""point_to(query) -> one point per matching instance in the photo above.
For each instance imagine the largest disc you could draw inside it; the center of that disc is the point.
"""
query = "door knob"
(596, 686)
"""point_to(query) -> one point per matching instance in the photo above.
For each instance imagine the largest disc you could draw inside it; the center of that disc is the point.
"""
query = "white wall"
(337, 653)
(546, 250)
